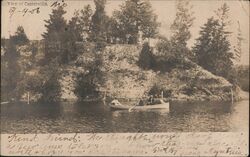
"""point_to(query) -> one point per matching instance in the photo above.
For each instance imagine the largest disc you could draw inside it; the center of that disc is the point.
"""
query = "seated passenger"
(141, 103)
(151, 100)
(115, 102)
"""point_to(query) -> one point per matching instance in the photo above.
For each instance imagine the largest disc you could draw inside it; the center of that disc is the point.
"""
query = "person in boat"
(151, 100)
(161, 101)
(141, 103)
(115, 102)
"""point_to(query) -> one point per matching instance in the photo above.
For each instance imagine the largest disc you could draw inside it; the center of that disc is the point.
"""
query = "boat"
(116, 105)
(6, 102)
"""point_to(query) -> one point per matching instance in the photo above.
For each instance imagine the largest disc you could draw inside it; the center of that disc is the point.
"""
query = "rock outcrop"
(125, 79)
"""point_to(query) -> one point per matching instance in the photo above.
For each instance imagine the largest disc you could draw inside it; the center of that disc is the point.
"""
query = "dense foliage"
(243, 77)
(50, 88)
(89, 81)
(98, 25)
(212, 48)
(79, 26)
(181, 29)
(157, 90)
(10, 68)
(136, 20)
(20, 38)
(174, 52)
(89, 33)
(56, 37)
(146, 58)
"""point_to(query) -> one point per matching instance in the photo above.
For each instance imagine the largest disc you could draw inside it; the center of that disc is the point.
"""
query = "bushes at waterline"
(157, 90)
(84, 86)
(50, 88)
(243, 77)
(89, 81)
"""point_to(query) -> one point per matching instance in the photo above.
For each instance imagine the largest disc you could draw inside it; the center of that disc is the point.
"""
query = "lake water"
(97, 117)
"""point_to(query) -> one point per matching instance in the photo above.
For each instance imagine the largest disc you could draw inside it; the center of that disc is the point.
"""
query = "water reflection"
(85, 117)
(212, 107)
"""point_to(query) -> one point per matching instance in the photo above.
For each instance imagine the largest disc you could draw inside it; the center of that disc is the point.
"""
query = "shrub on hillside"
(167, 58)
(20, 37)
(146, 58)
(100, 44)
(187, 90)
(156, 90)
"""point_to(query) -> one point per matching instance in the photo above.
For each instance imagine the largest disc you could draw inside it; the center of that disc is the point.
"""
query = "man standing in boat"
(150, 101)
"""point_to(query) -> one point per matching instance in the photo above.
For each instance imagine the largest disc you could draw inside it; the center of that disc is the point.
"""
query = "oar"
(104, 102)
(130, 109)
(6, 102)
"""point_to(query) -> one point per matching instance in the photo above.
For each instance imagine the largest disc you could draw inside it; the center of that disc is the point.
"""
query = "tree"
(55, 25)
(10, 71)
(56, 52)
(146, 58)
(10, 68)
(74, 28)
(80, 24)
(135, 17)
(222, 14)
(50, 88)
(164, 47)
(148, 21)
(78, 31)
(73, 35)
(20, 37)
(237, 49)
(180, 28)
(4, 80)
(112, 30)
(85, 21)
(87, 84)
(212, 49)
(98, 22)
(116, 31)
(55, 36)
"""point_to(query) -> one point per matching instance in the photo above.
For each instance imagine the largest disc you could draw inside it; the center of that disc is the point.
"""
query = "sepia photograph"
(132, 66)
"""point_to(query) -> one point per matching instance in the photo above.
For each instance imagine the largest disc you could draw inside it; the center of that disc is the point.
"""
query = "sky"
(165, 9)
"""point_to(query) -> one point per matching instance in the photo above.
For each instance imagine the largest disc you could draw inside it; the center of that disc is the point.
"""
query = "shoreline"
(242, 95)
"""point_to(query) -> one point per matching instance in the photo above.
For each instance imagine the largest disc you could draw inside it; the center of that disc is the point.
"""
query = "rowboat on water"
(116, 105)
(6, 102)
